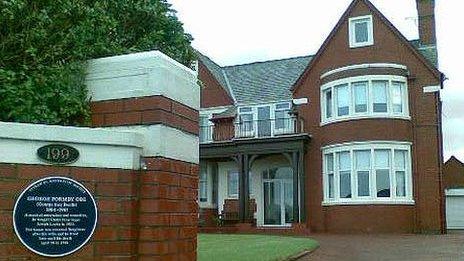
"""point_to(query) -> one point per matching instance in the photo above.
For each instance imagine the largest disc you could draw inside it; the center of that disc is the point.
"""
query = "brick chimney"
(426, 13)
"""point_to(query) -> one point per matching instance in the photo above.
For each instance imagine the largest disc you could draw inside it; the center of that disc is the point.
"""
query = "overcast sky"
(242, 31)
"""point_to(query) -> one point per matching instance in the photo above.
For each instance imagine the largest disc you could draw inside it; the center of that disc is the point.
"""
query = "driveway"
(388, 247)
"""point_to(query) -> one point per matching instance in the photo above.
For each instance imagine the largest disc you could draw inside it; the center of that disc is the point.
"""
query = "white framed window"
(203, 184)
(264, 120)
(361, 31)
(233, 183)
(282, 116)
(373, 172)
(359, 97)
(246, 123)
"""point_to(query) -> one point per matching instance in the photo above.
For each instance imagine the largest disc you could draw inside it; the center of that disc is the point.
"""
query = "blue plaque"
(55, 216)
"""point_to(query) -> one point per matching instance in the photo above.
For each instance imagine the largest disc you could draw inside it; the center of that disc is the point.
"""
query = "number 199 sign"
(58, 154)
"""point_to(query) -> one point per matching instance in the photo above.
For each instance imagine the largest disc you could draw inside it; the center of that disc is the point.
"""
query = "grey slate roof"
(265, 81)
(259, 82)
(428, 51)
(271, 81)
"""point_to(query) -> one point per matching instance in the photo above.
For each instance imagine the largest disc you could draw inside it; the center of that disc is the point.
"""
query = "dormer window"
(361, 32)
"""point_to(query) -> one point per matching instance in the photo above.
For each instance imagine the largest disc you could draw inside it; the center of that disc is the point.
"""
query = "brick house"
(345, 140)
(453, 182)
(453, 173)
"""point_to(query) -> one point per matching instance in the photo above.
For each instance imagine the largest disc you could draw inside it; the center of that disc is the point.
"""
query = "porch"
(251, 183)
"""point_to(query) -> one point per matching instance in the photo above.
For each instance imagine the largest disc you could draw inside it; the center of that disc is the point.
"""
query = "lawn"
(251, 247)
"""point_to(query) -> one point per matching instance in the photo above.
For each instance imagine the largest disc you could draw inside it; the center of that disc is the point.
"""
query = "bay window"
(360, 97)
(377, 172)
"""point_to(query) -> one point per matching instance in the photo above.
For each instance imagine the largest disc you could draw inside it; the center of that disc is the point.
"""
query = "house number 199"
(58, 154)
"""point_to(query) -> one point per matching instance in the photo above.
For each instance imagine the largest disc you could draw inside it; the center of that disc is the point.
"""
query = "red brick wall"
(212, 93)
(148, 215)
(422, 131)
(145, 110)
(208, 217)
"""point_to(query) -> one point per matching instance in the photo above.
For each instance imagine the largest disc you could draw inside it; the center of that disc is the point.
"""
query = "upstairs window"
(361, 32)
(360, 97)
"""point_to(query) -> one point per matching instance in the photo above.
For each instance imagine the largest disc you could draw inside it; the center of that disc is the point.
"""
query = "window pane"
(283, 106)
(330, 162)
(203, 191)
(345, 184)
(400, 159)
(363, 183)
(361, 31)
(383, 183)
(360, 96)
(245, 109)
(343, 100)
(382, 159)
(281, 119)
(331, 186)
(400, 184)
(397, 99)
(363, 159)
(344, 161)
(379, 89)
(328, 104)
(246, 122)
(232, 184)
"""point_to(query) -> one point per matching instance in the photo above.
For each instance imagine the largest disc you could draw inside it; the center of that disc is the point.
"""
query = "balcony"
(224, 131)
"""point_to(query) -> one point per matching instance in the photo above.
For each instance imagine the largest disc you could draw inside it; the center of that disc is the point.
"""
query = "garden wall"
(140, 165)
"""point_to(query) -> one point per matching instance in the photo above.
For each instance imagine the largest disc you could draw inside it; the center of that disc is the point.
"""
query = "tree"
(44, 45)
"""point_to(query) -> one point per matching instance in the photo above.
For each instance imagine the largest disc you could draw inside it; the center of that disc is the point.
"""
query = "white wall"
(163, 141)
(99, 148)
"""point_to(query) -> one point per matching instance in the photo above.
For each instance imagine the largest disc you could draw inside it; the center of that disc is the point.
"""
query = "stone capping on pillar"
(151, 94)
(142, 75)
(98, 148)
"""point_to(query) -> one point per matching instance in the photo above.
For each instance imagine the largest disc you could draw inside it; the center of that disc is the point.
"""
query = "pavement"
(388, 247)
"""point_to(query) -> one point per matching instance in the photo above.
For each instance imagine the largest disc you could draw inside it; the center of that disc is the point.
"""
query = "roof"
(265, 81)
(454, 159)
(428, 51)
(259, 82)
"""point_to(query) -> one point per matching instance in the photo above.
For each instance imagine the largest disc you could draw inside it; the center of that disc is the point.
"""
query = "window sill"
(363, 117)
(362, 44)
(369, 202)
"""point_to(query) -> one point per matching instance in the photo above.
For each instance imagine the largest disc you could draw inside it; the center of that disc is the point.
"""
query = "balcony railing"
(249, 129)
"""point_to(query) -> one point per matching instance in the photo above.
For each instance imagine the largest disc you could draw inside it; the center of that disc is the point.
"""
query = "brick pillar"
(151, 94)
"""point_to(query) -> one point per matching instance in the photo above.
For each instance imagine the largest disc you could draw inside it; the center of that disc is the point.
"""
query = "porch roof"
(255, 146)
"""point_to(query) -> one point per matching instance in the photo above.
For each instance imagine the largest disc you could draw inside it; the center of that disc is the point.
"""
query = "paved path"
(388, 247)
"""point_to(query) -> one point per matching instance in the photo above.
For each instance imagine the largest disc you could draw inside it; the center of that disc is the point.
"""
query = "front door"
(264, 121)
(278, 198)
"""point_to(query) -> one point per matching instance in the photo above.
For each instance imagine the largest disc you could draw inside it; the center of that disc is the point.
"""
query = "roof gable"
(454, 160)
(344, 19)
